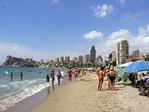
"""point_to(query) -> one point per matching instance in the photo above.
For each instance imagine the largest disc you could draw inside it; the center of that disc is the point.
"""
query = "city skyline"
(54, 28)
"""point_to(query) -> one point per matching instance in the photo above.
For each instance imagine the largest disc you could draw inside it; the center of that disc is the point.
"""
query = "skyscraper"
(86, 59)
(80, 60)
(122, 51)
(93, 54)
(99, 60)
(136, 54)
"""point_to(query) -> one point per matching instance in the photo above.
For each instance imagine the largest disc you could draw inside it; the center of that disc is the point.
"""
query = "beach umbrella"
(137, 67)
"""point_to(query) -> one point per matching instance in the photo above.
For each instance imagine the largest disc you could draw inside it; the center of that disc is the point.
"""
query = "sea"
(16, 89)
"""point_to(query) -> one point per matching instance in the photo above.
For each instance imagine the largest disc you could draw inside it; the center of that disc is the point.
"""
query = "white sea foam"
(29, 89)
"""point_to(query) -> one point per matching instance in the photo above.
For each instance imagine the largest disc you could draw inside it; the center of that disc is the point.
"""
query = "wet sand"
(82, 96)
(29, 103)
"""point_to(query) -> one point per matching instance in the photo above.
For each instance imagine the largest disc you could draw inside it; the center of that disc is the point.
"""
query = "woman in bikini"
(112, 77)
(101, 75)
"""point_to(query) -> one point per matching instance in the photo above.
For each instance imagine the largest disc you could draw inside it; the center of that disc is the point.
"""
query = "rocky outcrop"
(19, 62)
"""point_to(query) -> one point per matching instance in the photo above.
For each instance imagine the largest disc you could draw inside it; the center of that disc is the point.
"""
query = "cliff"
(19, 62)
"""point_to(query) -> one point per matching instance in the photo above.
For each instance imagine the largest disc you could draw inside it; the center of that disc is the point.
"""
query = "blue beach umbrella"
(137, 67)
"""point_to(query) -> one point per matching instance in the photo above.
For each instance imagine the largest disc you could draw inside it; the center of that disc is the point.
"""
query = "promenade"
(82, 96)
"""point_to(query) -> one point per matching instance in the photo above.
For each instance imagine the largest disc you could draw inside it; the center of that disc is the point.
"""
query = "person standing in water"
(11, 75)
(21, 76)
(52, 75)
(100, 75)
(47, 78)
(59, 75)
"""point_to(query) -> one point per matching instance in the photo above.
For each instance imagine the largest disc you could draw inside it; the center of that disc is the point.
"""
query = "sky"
(46, 29)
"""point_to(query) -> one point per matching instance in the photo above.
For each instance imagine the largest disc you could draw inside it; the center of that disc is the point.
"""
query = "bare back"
(101, 75)
(112, 73)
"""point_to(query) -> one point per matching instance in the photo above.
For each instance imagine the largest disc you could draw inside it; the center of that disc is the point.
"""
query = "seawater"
(16, 90)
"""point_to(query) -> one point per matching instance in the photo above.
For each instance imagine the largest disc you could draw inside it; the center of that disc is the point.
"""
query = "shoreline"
(30, 102)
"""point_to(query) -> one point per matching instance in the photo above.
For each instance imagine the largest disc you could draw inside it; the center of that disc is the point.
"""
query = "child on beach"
(100, 75)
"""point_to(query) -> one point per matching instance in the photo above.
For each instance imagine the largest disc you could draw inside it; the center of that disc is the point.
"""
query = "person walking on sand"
(70, 74)
(52, 75)
(59, 75)
(112, 77)
(76, 74)
(100, 75)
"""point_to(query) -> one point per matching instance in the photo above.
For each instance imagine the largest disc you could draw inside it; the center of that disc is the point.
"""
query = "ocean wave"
(25, 92)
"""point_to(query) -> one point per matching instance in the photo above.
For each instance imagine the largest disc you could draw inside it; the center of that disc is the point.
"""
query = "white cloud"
(14, 49)
(141, 41)
(102, 11)
(92, 35)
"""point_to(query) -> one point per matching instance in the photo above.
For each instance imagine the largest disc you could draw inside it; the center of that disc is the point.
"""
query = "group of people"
(72, 74)
(12, 76)
(52, 76)
(110, 74)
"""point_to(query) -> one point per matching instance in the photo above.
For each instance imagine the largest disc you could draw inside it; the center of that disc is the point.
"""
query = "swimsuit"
(112, 78)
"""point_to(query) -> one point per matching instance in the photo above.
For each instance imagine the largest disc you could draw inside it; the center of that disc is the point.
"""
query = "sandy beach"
(82, 96)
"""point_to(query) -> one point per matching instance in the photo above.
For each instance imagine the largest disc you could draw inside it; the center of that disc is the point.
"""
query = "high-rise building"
(146, 57)
(122, 51)
(86, 59)
(57, 60)
(93, 54)
(75, 59)
(114, 56)
(136, 54)
(80, 60)
(99, 60)
(67, 59)
(62, 59)
(110, 57)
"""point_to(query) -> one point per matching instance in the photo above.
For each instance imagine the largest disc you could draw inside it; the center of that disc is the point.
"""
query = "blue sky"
(51, 28)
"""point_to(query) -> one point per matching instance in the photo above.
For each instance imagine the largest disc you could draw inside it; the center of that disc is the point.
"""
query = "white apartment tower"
(122, 51)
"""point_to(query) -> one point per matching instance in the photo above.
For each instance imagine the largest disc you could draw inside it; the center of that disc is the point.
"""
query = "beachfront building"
(86, 59)
(62, 59)
(113, 55)
(93, 54)
(112, 58)
(136, 54)
(57, 60)
(122, 51)
(146, 56)
(41, 61)
(67, 59)
(75, 59)
(99, 60)
(80, 60)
